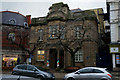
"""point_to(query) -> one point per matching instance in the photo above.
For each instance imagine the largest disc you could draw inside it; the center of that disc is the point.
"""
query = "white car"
(89, 73)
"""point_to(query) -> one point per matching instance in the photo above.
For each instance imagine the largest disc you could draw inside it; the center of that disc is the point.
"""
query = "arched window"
(12, 21)
(11, 36)
(25, 24)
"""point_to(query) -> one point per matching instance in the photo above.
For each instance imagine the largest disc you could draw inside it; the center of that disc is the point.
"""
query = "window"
(79, 56)
(97, 71)
(53, 31)
(40, 34)
(86, 71)
(25, 24)
(22, 67)
(12, 21)
(31, 68)
(77, 32)
(11, 36)
(40, 55)
(62, 32)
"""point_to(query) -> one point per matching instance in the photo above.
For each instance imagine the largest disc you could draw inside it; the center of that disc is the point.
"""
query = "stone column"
(58, 52)
(47, 62)
(113, 60)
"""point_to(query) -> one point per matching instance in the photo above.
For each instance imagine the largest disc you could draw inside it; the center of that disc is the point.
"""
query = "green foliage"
(58, 69)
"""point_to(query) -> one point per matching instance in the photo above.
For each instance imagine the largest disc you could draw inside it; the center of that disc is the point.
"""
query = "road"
(116, 75)
(59, 76)
(16, 77)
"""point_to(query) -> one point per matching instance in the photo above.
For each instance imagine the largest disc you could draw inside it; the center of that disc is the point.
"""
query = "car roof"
(95, 68)
(24, 64)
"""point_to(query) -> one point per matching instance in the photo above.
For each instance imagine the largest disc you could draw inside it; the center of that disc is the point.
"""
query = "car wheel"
(71, 78)
(41, 78)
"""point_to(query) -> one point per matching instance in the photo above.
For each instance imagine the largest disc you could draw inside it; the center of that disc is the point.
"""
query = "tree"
(18, 38)
(62, 33)
(84, 35)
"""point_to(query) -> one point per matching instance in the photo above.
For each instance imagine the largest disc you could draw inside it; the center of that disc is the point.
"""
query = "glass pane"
(30, 68)
(97, 71)
(40, 57)
(86, 71)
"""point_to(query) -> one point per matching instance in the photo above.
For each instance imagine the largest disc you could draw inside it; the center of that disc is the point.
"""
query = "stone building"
(61, 25)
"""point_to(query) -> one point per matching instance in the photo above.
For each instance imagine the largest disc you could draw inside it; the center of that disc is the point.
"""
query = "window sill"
(40, 40)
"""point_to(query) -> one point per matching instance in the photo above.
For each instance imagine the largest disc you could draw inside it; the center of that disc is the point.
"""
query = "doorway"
(53, 58)
(61, 58)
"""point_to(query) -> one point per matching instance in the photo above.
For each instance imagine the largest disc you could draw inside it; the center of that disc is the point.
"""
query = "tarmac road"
(16, 77)
(58, 76)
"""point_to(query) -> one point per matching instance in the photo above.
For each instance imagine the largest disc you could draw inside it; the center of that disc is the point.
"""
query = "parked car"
(89, 73)
(33, 71)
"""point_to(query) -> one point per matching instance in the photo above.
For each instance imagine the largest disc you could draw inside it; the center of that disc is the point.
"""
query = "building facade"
(113, 7)
(14, 31)
(64, 27)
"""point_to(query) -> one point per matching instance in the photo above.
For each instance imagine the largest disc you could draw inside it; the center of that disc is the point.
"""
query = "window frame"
(62, 32)
(43, 55)
(40, 31)
(12, 21)
(24, 67)
(33, 68)
(97, 71)
(53, 30)
(78, 57)
(78, 33)
(12, 36)
(83, 71)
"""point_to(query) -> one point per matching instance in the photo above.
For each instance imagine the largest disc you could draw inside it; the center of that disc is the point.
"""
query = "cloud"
(39, 8)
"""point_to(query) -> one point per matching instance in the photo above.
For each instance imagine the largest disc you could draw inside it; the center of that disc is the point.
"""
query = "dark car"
(33, 71)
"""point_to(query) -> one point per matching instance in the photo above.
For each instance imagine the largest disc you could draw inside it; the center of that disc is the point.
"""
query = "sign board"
(29, 60)
(114, 50)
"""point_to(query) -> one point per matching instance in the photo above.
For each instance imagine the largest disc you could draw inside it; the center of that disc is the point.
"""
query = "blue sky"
(39, 8)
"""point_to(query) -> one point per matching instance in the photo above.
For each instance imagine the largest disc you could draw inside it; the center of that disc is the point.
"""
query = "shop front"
(9, 60)
(115, 51)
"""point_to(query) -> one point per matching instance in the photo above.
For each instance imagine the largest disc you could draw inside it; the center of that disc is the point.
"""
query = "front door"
(61, 58)
(53, 58)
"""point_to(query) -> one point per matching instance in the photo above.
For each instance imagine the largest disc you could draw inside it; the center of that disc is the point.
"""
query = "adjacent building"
(113, 9)
(66, 26)
(15, 28)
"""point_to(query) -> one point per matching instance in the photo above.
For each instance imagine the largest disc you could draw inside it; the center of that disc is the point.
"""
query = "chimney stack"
(28, 19)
